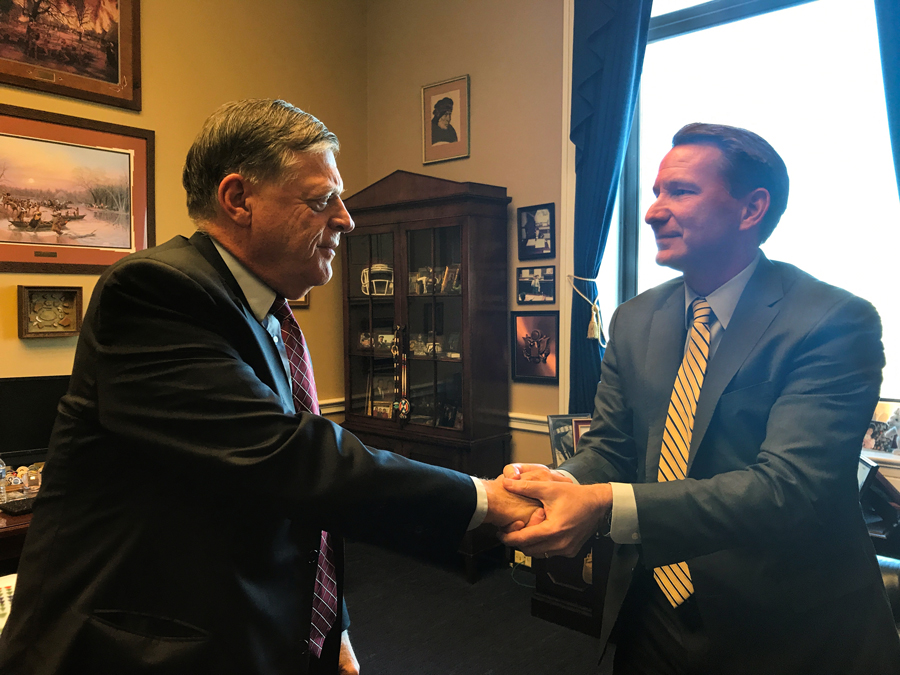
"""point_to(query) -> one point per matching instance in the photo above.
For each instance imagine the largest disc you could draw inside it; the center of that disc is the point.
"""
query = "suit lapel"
(665, 351)
(755, 311)
(277, 379)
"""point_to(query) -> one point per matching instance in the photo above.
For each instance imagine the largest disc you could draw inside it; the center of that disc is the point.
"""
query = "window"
(808, 79)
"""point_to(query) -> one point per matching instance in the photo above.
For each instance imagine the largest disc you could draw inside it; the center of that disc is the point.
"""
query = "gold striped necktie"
(675, 579)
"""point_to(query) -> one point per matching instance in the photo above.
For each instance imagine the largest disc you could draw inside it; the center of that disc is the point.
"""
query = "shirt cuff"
(624, 526)
(566, 473)
(481, 504)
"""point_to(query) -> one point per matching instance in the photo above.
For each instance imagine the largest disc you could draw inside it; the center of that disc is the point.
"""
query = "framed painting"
(536, 285)
(87, 49)
(536, 231)
(300, 303)
(883, 434)
(535, 347)
(49, 311)
(75, 195)
(445, 120)
(565, 430)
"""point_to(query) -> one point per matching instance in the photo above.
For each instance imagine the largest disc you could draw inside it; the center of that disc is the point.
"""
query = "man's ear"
(232, 197)
(756, 205)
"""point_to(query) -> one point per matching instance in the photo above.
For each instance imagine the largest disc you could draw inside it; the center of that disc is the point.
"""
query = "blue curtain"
(609, 40)
(888, 15)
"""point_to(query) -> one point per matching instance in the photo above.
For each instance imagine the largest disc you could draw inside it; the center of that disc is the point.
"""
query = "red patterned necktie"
(303, 388)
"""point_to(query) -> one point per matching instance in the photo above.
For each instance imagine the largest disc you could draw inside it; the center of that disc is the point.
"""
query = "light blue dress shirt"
(624, 527)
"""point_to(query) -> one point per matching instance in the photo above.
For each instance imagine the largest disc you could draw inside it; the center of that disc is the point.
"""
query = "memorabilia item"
(565, 430)
(535, 347)
(445, 120)
(536, 231)
(883, 434)
(77, 194)
(49, 311)
(535, 285)
(378, 279)
(79, 48)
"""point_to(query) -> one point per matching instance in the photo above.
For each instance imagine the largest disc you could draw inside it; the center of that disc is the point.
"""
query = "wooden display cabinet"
(425, 322)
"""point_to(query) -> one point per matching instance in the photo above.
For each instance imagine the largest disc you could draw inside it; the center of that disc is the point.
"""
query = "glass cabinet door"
(371, 324)
(434, 325)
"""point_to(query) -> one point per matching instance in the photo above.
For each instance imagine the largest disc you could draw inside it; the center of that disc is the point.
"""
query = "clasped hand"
(569, 516)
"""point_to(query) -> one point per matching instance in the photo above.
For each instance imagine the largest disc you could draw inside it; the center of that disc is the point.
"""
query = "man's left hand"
(573, 514)
(347, 663)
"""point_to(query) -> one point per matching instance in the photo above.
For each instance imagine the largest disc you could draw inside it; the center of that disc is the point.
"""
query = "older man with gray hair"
(194, 499)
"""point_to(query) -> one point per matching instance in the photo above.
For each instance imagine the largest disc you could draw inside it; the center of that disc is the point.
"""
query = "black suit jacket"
(768, 517)
(178, 522)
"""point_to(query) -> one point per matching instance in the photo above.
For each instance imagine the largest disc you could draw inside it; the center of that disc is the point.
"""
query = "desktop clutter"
(19, 486)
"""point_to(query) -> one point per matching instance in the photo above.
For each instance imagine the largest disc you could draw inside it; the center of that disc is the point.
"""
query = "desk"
(12, 537)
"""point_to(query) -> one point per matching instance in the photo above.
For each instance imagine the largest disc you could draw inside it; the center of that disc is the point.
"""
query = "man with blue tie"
(724, 443)
(193, 501)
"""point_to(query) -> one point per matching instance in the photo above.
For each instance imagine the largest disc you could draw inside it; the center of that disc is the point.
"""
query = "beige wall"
(512, 52)
(359, 65)
(197, 55)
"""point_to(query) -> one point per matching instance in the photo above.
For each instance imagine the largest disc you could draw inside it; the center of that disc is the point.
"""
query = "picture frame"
(72, 49)
(49, 311)
(94, 200)
(535, 347)
(536, 285)
(300, 303)
(565, 430)
(883, 433)
(536, 231)
(445, 120)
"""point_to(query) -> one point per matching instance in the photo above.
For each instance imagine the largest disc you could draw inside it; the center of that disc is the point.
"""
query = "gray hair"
(256, 138)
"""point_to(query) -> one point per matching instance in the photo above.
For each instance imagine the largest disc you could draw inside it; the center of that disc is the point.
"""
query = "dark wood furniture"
(425, 324)
(12, 537)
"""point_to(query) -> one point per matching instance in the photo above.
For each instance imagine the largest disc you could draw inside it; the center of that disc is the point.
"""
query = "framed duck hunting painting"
(75, 195)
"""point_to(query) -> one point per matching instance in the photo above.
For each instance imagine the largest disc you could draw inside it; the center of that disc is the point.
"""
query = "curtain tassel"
(595, 327)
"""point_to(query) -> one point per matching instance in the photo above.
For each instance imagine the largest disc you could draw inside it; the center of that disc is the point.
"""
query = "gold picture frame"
(300, 303)
(445, 120)
(49, 311)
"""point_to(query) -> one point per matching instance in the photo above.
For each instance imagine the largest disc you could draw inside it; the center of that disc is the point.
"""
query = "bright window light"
(807, 79)
(661, 7)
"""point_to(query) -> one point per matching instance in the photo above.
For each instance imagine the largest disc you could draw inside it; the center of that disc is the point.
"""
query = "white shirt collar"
(725, 298)
(259, 296)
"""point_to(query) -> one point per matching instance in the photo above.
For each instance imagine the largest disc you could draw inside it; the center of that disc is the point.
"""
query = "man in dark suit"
(193, 503)
(732, 495)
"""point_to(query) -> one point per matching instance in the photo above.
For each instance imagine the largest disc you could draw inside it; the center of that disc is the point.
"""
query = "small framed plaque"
(49, 311)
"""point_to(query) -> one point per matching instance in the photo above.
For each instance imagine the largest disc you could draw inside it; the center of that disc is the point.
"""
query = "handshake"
(542, 512)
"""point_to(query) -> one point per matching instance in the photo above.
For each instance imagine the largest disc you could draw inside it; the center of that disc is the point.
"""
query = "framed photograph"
(535, 347)
(537, 227)
(49, 311)
(884, 429)
(300, 303)
(87, 49)
(75, 195)
(565, 430)
(535, 285)
(445, 120)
